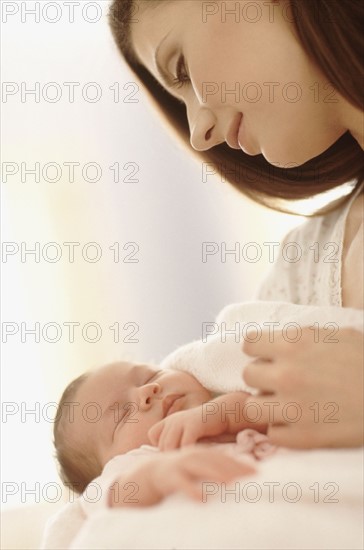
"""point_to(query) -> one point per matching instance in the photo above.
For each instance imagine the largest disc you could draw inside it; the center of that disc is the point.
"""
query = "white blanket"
(327, 514)
(297, 499)
(217, 359)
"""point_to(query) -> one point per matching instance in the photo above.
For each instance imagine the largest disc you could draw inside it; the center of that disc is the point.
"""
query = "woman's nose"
(201, 140)
(147, 394)
(203, 130)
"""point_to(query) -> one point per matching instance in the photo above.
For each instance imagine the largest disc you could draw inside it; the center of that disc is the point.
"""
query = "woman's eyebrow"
(165, 76)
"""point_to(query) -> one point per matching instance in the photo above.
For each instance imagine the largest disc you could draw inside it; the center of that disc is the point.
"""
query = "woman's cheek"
(287, 136)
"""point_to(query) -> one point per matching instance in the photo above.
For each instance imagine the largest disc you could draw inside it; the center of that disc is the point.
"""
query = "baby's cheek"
(130, 436)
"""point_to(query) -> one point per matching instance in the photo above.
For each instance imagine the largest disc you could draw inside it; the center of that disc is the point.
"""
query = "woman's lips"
(238, 138)
(232, 137)
(241, 135)
(171, 404)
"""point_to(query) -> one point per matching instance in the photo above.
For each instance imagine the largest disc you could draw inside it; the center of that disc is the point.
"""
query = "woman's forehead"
(149, 26)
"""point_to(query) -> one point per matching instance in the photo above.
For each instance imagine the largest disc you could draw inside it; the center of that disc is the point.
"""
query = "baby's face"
(119, 403)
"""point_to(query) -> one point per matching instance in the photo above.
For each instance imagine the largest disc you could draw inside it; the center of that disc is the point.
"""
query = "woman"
(270, 93)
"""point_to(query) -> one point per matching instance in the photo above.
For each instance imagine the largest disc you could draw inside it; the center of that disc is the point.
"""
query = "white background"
(169, 213)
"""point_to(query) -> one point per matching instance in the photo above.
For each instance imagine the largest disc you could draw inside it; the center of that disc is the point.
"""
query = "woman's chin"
(290, 160)
(298, 153)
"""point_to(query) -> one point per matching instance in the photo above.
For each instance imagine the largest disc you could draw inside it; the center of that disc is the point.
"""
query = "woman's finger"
(268, 409)
(264, 347)
(288, 435)
(260, 374)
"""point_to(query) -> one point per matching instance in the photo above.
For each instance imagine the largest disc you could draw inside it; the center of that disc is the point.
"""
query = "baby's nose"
(148, 393)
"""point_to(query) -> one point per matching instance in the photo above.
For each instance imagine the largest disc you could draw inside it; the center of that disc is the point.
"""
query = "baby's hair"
(77, 466)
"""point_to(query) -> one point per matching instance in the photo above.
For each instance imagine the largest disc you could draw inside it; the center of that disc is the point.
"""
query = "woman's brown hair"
(330, 32)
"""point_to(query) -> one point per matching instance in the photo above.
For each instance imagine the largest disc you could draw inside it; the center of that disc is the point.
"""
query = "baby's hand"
(180, 470)
(184, 428)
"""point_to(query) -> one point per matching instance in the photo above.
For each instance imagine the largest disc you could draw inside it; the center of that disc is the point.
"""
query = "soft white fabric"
(64, 526)
(327, 515)
(218, 362)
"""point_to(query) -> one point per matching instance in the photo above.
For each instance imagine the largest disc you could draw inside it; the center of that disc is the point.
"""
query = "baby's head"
(109, 411)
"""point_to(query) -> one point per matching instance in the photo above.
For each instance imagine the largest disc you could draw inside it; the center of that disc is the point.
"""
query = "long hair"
(330, 32)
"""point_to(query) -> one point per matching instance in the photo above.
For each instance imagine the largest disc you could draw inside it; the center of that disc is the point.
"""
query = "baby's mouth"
(171, 404)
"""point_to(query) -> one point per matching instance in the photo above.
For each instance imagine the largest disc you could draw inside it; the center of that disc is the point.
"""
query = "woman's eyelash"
(181, 79)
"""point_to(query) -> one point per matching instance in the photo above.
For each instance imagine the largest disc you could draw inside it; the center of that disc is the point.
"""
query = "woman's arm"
(325, 380)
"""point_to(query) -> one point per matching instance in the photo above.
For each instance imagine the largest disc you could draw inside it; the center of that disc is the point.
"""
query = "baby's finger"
(189, 437)
(170, 438)
(191, 482)
(182, 481)
(155, 431)
(216, 467)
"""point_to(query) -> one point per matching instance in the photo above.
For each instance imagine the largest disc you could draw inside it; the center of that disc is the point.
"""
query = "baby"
(113, 415)
(123, 407)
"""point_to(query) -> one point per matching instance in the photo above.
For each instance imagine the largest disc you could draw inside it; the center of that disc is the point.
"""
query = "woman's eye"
(182, 76)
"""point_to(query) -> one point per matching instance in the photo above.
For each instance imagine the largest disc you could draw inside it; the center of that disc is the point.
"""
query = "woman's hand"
(311, 391)
(181, 470)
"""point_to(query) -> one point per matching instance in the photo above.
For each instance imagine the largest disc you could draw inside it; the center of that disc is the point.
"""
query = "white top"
(309, 265)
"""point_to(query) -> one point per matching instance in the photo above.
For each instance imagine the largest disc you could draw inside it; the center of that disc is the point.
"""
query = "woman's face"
(241, 61)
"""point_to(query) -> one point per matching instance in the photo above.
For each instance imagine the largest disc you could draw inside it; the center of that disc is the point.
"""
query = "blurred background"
(134, 216)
